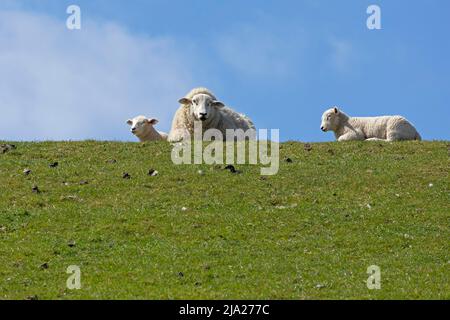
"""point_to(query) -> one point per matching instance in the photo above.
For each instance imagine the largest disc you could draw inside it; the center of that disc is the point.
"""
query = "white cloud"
(60, 84)
(256, 51)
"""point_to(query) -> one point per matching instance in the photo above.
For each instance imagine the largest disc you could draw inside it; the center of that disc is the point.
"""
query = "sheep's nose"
(203, 114)
(133, 129)
(322, 128)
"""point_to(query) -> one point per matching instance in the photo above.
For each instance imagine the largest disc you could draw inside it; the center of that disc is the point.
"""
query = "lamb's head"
(202, 106)
(331, 119)
(141, 125)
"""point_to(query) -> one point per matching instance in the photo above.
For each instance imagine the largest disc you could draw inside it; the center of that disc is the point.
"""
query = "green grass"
(305, 233)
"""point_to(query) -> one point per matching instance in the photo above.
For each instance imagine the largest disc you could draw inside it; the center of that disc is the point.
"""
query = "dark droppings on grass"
(54, 165)
(4, 148)
(71, 244)
(307, 147)
(288, 160)
(232, 169)
(35, 189)
(44, 266)
(126, 175)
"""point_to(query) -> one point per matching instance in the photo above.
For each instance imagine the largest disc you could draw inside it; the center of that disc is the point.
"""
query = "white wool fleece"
(201, 105)
(142, 128)
(386, 128)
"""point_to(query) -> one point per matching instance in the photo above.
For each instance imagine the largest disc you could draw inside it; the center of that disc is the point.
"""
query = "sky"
(282, 63)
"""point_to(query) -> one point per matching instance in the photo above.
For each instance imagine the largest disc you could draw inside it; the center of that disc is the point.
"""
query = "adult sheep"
(142, 128)
(385, 128)
(201, 105)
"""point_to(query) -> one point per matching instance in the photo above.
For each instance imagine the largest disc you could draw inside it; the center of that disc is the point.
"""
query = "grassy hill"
(308, 232)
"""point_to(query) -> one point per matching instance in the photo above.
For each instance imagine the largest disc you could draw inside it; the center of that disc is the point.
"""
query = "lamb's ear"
(152, 121)
(218, 104)
(185, 101)
(129, 122)
(336, 110)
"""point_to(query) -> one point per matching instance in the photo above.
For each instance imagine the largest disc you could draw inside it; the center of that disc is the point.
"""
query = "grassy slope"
(305, 233)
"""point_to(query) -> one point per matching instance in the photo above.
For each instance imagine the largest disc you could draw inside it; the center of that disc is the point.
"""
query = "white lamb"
(201, 105)
(142, 127)
(386, 128)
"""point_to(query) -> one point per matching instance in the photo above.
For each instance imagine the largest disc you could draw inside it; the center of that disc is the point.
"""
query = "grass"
(309, 232)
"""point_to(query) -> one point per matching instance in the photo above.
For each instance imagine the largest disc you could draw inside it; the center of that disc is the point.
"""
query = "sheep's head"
(141, 124)
(330, 119)
(202, 106)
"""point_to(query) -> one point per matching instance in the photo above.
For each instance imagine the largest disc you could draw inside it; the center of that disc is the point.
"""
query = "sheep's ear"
(152, 121)
(336, 110)
(185, 101)
(129, 122)
(218, 104)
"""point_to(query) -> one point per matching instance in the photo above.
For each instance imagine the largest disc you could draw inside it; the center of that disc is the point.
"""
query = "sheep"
(385, 128)
(142, 127)
(201, 105)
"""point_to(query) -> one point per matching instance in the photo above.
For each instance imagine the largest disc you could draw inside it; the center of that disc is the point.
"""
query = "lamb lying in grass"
(386, 128)
(142, 127)
(201, 105)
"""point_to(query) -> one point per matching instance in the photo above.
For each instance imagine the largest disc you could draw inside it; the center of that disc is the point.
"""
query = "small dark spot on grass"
(330, 152)
(26, 172)
(308, 147)
(232, 169)
(84, 182)
(35, 189)
(71, 244)
(4, 148)
(181, 274)
(54, 165)
(44, 266)
(126, 175)
(288, 160)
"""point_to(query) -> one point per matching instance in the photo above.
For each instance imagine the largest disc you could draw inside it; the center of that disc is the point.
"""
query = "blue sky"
(280, 62)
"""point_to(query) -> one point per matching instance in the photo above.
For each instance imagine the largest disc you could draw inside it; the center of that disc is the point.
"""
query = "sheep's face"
(330, 120)
(140, 125)
(202, 106)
